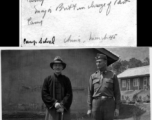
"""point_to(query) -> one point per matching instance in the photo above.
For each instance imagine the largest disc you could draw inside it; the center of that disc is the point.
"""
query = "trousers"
(103, 109)
(54, 115)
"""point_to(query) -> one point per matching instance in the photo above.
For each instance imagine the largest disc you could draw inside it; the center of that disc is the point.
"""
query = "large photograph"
(76, 84)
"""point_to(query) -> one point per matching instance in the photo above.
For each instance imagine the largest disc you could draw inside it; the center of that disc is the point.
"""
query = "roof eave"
(109, 54)
(133, 76)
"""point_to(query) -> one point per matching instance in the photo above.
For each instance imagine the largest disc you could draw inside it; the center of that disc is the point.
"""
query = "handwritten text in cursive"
(71, 40)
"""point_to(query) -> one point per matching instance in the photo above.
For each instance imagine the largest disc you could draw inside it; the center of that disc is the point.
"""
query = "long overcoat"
(49, 96)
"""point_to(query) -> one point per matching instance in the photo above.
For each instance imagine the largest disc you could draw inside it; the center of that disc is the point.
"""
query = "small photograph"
(111, 83)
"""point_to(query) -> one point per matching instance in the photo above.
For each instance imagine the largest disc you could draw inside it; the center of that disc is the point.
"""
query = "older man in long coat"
(57, 92)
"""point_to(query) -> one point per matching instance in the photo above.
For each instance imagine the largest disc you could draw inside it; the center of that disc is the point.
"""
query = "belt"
(103, 97)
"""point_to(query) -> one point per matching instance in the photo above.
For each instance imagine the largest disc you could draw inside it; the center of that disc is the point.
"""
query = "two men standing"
(103, 92)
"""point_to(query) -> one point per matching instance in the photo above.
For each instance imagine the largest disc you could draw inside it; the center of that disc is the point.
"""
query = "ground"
(127, 112)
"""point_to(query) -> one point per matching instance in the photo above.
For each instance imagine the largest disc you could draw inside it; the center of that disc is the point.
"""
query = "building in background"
(23, 73)
(135, 84)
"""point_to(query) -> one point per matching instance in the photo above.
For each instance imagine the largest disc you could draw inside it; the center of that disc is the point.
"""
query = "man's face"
(101, 63)
(58, 68)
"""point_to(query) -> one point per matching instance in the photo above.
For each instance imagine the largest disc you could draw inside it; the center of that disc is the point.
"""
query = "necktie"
(101, 77)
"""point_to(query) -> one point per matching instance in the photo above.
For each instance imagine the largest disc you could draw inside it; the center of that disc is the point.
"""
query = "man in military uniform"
(57, 92)
(103, 92)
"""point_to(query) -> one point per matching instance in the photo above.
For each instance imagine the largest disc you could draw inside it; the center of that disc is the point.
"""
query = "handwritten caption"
(38, 9)
(70, 39)
(40, 41)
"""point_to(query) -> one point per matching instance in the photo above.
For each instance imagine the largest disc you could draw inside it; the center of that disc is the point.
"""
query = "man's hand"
(60, 109)
(57, 105)
(116, 113)
(89, 112)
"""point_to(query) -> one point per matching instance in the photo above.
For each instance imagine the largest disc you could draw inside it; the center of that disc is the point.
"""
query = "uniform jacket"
(106, 86)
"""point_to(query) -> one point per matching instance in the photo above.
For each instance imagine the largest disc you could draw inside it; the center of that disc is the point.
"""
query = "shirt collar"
(57, 75)
(103, 72)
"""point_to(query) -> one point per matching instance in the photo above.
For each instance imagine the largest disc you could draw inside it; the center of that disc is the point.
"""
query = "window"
(128, 84)
(123, 83)
(135, 82)
(145, 83)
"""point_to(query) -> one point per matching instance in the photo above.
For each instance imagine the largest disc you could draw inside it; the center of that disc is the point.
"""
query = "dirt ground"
(72, 119)
(142, 113)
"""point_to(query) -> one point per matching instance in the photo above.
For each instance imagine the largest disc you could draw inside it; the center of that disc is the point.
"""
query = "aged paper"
(78, 23)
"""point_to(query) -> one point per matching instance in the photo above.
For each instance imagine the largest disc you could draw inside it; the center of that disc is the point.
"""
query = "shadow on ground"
(126, 111)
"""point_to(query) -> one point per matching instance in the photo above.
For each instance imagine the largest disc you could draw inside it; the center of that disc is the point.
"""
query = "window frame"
(123, 83)
(128, 81)
(145, 85)
(136, 82)
(145, 79)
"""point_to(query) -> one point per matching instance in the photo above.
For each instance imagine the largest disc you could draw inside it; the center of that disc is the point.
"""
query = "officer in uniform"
(57, 92)
(103, 92)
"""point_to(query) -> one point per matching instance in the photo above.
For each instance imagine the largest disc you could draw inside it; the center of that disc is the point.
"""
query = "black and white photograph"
(111, 83)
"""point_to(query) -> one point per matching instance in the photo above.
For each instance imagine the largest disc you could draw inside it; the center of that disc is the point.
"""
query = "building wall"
(23, 73)
(141, 79)
(131, 84)
(122, 88)
(140, 82)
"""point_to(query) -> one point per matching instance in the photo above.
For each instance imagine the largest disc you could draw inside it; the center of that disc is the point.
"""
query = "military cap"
(58, 60)
(101, 56)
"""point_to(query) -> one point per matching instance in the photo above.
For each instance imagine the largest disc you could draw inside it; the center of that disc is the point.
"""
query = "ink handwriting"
(52, 41)
(31, 1)
(71, 7)
(71, 40)
(46, 15)
(101, 6)
(40, 11)
(30, 42)
(121, 2)
(106, 37)
(41, 41)
(31, 22)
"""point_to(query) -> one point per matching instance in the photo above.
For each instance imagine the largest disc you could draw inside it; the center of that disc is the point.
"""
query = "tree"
(117, 67)
(146, 61)
(121, 65)
(133, 62)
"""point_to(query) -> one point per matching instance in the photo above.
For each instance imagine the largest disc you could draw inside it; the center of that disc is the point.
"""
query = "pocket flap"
(95, 81)
(109, 80)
